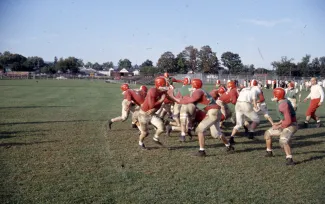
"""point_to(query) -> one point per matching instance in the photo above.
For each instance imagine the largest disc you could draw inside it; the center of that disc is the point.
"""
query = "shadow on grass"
(304, 137)
(23, 107)
(10, 144)
(219, 145)
(7, 134)
(312, 158)
(42, 122)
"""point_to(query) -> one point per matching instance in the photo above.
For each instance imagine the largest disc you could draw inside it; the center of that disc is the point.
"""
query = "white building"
(136, 72)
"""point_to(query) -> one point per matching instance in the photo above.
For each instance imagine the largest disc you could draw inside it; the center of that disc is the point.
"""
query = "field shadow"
(312, 158)
(11, 134)
(10, 144)
(44, 122)
(218, 145)
(303, 137)
(25, 107)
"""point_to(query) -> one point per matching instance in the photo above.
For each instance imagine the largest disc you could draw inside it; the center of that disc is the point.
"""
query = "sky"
(260, 31)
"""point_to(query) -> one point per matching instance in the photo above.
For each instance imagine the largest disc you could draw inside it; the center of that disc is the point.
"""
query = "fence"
(148, 80)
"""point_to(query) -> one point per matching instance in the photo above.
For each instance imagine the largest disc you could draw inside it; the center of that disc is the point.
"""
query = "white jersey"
(248, 94)
(316, 91)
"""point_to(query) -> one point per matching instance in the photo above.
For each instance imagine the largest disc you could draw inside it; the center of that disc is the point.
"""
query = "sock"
(156, 138)
(268, 150)
(228, 144)
(202, 149)
(183, 134)
(289, 157)
(140, 143)
(318, 121)
(306, 121)
(173, 127)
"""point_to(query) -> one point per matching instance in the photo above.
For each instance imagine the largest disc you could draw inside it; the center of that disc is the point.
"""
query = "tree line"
(191, 59)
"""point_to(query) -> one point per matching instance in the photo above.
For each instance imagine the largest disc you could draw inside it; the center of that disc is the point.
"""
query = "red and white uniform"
(316, 96)
(132, 101)
(152, 100)
(214, 94)
(213, 115)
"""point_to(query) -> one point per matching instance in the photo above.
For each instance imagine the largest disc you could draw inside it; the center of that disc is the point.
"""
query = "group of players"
(151, 106)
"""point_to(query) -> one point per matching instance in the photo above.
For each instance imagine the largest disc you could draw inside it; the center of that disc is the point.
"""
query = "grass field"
(54, 148)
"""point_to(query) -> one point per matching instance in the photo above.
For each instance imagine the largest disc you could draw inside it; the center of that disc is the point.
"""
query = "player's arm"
(161, 100)
(170, 96)
(308, 97)
(195, 97)
(128, 97)
(176, 80)
(233, 97)
(321, 91)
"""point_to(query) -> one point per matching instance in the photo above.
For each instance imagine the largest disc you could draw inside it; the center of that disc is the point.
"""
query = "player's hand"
(256, 109)
(275, 127)
(151, 111)
(320, 103)
(305, 100)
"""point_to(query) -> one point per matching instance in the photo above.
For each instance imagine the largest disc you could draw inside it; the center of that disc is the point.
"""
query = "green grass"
(54, 148)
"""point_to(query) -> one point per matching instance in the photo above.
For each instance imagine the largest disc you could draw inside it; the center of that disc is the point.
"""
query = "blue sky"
(107, 30)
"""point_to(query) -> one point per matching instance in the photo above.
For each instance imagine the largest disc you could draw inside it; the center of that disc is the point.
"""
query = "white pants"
(245, 109)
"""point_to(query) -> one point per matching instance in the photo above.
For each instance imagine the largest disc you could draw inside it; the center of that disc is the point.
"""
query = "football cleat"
(232, 140)
(230, 148)
(289, 161)
(269, 154)
(110, 124)
(200, 154)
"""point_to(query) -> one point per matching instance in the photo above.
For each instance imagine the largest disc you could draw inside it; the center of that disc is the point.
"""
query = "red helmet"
(186, 81)
(218, 82)
(197, 83)
(166, 74)
(279, 93)
(231, 84)
(254, 82)
(160, 82)
(143, 88)
(221, 90)
(124, 87)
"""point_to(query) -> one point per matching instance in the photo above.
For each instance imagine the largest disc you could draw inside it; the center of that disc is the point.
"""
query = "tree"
(284, 67)
(166, 62)
(13, 61)
(89, 65)
(97, 66)
(148, 70)
(55, 60)
(125, 63)
(147, 63)
(261, 71)
(232, 61)
(303, 67)
(322, 66)
(248, 69)
(180, 63)
(80, 63)
(208, 61)
(107, 65)
(314, 67)
(34, 63)
(69, 64)
(191, 57)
